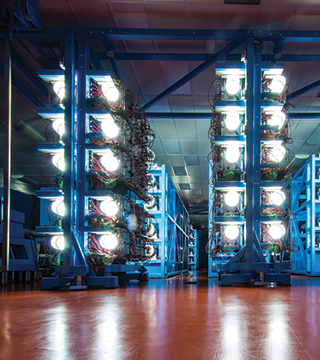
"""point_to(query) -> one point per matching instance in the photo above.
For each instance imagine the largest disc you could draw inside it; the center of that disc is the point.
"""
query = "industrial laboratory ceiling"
(182, 142)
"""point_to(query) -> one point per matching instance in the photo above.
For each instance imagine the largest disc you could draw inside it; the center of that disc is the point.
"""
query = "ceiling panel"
(203, 160)
(305, 22)
(202, 82)
(314, 138)
(296, 145)
(196, 179)
(192, 160)
(181, 103)
(179, 171)
(307, 149)
(138, 46)
(276, 18)
(57, 12)
(176, 160)
(204, 147)
(166, 130)
(195, 186)
(186, 129)
(189, 147)
(182, 179)
(99, 15)
(304, 129)
(204, 16)
(233, 17)
(205, 171)
(130, 15)
(158, 148)
(170, 16)
(193, 170)
(202, 129)
(172, 147)
(145, 70)
(272, 3)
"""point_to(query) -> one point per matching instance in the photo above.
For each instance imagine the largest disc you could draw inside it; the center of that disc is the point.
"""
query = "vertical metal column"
(82, 66)
(250, 151)
(7, 155)
(68, 177)
(257, 144)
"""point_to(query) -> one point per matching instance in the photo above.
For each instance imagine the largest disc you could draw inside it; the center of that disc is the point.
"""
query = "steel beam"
(210, 61)
(7, 155)
(305, 89)
(170, 34)
(201, 57)
(307, 116)
(208, 115)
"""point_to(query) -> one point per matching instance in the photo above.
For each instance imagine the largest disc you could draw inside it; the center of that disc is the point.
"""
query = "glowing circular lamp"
(58, 126)
(277, 197)
(109, 206)
(277, 153)
(59, 89)
(108, 241)
(57, 242)
(232, 154)
(276, 231)
(232, 198)
(277, 84)
(231, 232)
(109, 162)
(232, 121)
(232, 85)
(58, 207)
(110, 91)
(277, 119)
(58, 161)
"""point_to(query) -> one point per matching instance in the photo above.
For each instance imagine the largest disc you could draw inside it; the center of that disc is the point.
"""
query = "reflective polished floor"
(162, 319)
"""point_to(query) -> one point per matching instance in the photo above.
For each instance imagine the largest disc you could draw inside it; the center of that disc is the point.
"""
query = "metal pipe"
(7, 154)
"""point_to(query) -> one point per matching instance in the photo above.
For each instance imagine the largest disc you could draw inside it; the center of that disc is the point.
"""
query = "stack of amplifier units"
(193, 248)
(248, 231)
(305, 207)
(96, 232)
(170, 227)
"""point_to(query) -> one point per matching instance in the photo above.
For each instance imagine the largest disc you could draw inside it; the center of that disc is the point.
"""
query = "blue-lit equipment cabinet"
(193, 250)
(305, 206)
(171, 223)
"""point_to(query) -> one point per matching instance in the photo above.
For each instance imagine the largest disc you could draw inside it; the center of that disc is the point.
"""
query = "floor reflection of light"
(108, 332)
(277, 332)
(58, 339)
(234, 332)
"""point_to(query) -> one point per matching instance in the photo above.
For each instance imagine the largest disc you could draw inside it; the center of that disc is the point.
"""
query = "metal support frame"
(170, 34)
(68, 179)
(7, 155)
(305, 89)
(198, 70)
(249, 264)
(207, 115)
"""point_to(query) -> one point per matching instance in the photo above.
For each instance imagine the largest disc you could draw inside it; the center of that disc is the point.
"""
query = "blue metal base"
(251, 277)
(109, 282)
